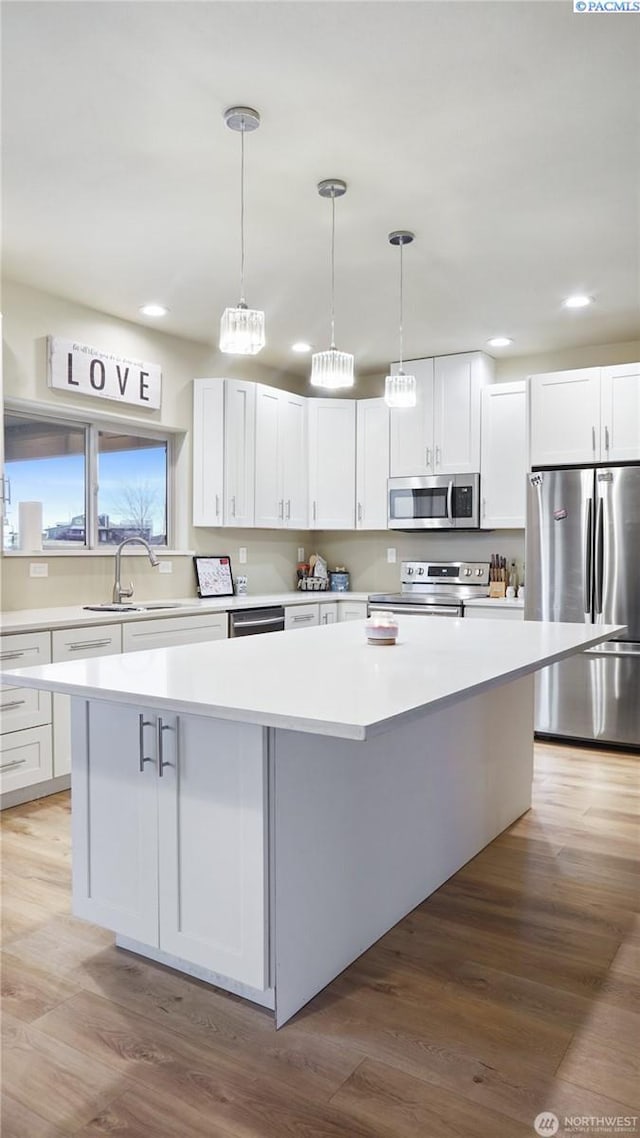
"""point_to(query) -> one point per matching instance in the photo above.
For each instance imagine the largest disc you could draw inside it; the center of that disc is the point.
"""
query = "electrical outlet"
(301, 553)
(242, 555)
(166, 567)
(38, 569)
(391, 556)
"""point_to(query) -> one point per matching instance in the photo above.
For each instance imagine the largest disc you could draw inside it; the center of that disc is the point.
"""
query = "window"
(97, 486)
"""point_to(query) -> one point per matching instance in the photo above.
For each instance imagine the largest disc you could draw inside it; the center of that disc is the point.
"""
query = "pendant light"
(332, 369)
(400, 389)
(242, 328)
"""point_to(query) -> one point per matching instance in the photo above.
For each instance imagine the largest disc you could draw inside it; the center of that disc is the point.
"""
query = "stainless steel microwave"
(436, 501)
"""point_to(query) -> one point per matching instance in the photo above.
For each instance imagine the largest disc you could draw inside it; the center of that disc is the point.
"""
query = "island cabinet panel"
(169, 823)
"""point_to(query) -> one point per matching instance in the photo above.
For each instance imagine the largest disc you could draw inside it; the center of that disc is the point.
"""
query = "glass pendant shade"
(400, 390)
(332, 369)
(242, 331)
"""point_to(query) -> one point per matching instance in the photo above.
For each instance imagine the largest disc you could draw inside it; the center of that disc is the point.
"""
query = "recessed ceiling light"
(499, 342)
(154, 310)
(577, 301)
(301, 346)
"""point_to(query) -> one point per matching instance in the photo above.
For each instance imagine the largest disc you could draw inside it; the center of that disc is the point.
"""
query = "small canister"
(339, 580)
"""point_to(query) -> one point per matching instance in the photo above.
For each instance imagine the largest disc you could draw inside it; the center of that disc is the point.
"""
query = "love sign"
(87, 371)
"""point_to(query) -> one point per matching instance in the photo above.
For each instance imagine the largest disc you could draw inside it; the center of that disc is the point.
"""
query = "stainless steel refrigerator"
(583, 566)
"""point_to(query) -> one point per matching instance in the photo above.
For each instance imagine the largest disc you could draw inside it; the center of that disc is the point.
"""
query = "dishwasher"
(252, 622)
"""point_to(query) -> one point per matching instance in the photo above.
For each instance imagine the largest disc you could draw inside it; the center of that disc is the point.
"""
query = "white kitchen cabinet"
(411, 428)
(76, 644)
(329, 613)
(441, 434)
(239, 452)
(332, 463)
(499, 612)
(208, 451)
(280, 459)
(301, 616)
(167, 632)
(185, 869)
(503, 461)
(372, 463)
(564, 417)
(352, 610)
(620, 413)
(21, 708)
(25, 758)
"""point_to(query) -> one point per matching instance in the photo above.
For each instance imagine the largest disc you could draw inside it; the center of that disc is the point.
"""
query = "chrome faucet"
(119, 594)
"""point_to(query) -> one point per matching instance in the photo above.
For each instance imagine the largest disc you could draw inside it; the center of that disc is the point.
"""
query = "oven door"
(421, 503)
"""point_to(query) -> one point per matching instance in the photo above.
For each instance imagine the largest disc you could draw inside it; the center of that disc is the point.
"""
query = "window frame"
(92, 429)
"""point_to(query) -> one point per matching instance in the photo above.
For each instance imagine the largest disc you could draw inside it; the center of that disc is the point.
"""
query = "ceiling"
(504, 134)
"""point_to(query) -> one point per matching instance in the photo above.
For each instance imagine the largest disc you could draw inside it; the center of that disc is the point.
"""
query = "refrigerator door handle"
(588, 546)
(599, 557)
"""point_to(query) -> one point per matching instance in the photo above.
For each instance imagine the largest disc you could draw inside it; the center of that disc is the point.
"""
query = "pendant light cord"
(401, 305)
(333, 268)
(242, 299)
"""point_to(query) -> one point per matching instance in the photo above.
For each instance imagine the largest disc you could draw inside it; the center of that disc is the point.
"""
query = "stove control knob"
(410, 571)
(478, 572)
(421, 572)
(467, 572)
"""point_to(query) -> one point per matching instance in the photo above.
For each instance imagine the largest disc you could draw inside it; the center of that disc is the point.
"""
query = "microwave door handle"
(450, 501)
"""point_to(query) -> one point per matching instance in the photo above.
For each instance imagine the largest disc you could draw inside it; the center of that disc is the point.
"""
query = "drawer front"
(487, 613)
(352, 610)
(25, 758)
(301, 616)
(21, 708)
(81, 643)
(165, 632)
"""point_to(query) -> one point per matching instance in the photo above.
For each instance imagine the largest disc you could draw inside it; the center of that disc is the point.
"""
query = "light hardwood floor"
(511, 991)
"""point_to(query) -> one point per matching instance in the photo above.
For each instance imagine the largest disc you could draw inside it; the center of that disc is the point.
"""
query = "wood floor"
(511, 991)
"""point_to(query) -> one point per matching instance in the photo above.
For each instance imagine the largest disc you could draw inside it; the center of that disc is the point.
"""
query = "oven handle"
(256, 623)
(420, 610)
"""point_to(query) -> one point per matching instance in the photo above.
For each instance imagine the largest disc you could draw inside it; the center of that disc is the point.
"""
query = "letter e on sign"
(105, 375)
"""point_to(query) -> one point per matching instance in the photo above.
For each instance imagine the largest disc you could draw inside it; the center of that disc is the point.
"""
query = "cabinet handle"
(281, 509)
(593, 439)
(359, 511)
(428, 458)
(12, 763)
(162, 762)
(302, 619)
(437, 458)
(217, 505)
(314, 511)
(142, 723)
(11, 655)
(12, 706)
(233, 506)
(88, 644)
(606, 438)
(484, 507)
(288, 509)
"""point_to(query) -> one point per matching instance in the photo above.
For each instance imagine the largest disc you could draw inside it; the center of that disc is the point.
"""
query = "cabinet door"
(620, 439)
(269, 500)
(372, 463)
(208, 451)
(564, 417)
(352, 610)
(457, 392)
(411, 428)
(24, 707)
(332, 463)
(76, 644)
(25, 758)
(114, 819)
(212, 869)
(166, 632)
(301, 616)
(239, 452)
(329, 613)
(294, 462)
(503, 463)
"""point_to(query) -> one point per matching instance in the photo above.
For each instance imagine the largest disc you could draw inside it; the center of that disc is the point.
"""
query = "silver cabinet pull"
(89, 644)
(162, 762)
(437, 458)
(428, 458)
(281, 509)
(12, 655)
(593, 439)
(315, 511)
(299, 619)
(359, 511)
(217, 505)
(12, 763)
(288, 509)
(233, 506)
(606, 438)
(142, 723)
(12, 706)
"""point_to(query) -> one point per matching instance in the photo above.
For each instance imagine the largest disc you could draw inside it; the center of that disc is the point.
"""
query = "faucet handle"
(127, 592)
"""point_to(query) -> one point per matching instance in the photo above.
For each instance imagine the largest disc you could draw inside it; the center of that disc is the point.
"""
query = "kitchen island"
(257, 812)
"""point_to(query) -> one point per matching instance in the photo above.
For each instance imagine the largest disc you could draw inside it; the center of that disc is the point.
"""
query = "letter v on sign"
(122, 379)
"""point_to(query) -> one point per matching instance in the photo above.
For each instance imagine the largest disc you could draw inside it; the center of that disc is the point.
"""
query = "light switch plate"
(38, 569)
(166, 567)
(242, 555)
(391, 556)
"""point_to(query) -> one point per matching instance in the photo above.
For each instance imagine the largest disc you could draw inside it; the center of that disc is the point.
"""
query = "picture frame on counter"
(213, 575)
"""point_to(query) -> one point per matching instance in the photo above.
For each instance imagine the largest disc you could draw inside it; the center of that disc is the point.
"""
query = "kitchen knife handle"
(588, 546)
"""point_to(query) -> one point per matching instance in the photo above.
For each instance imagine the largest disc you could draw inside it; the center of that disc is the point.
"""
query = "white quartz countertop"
(75, 616)
(326, 680)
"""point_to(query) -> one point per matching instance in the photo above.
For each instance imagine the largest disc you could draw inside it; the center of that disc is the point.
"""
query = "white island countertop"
(326, 680)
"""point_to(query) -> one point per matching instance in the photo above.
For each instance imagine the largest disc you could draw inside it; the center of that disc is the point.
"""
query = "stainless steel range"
(435, 588)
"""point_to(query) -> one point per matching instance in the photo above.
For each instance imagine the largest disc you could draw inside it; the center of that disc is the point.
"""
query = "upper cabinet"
(332, 463)
(239, 452)
(208, 451)
(372, 463)
(503, 460)
(620, 413)
(441, 434)
(587, 415)
(280, 459)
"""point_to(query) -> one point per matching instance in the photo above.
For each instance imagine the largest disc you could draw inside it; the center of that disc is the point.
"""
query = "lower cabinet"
(25, 758)
(329, 613)
(76, 644)
(499, 612)
(352, 610)
(301, 616)
(166, 632)
(170, 834)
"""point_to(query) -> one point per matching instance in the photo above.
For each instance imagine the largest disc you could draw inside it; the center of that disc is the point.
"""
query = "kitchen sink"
(153, 606)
